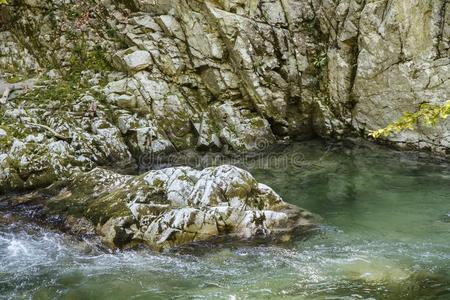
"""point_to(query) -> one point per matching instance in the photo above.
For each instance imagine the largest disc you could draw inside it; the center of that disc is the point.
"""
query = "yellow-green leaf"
(428, 113)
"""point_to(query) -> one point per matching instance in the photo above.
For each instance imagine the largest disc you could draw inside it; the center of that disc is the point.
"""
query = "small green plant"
(429, 113)
(321, 60)
(3, 2)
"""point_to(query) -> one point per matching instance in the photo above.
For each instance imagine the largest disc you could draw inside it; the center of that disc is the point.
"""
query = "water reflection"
(385, 235)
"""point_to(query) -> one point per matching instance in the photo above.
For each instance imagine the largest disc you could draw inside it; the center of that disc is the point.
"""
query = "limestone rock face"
(386, 58)
(14, 56)
(175, 206)
(226, 76)
(403, 61)
(132, 79)
(41, 143)
(133, 59)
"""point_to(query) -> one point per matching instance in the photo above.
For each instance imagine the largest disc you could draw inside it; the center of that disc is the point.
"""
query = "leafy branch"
(3, 2)
(429, 113)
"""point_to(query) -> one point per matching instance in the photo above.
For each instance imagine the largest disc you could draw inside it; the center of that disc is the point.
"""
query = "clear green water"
(385, 235)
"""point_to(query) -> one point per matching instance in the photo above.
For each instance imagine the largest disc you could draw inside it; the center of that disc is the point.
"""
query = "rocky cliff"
(240, 74)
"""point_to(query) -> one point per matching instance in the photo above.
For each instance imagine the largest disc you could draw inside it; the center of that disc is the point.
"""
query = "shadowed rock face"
(173, 206)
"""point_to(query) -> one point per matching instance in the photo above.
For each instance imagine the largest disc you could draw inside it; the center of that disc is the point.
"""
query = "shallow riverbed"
(385, 234)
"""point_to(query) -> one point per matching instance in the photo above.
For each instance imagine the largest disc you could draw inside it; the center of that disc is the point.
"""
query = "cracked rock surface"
(170, 207)
(237, 74)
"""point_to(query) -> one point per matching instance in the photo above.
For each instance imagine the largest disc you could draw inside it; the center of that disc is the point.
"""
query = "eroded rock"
(132, 59)
(175, 206)
(286, 68)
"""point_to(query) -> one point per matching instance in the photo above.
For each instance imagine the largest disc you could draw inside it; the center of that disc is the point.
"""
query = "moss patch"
(94, 60)
(14, 78)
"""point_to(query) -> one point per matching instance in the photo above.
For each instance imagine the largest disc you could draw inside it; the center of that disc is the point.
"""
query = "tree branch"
(57, 135)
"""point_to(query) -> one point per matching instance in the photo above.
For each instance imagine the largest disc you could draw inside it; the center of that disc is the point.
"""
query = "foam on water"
(380, 239)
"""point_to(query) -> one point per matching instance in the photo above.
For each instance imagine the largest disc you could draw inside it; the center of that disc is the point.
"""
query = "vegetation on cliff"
(427, 113)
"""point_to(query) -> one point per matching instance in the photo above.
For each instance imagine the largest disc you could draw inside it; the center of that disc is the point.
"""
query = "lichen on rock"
(174, 206)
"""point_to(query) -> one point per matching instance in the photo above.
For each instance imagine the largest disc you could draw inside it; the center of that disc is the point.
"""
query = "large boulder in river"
(174, 206)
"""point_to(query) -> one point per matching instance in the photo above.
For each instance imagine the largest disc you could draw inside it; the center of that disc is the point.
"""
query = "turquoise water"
(385, 234)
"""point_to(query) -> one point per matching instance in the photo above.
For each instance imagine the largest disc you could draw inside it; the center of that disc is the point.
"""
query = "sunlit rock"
(175, 206)
(133, 59)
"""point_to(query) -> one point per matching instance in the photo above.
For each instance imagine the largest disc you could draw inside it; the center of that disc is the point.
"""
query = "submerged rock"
(446, 218)
(376, 271)
(173, 206)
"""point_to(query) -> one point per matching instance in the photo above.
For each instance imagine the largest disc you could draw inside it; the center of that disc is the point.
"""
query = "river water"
(384, 234)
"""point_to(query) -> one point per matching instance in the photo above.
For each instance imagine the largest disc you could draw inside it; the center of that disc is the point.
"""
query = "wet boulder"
(174, 206)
